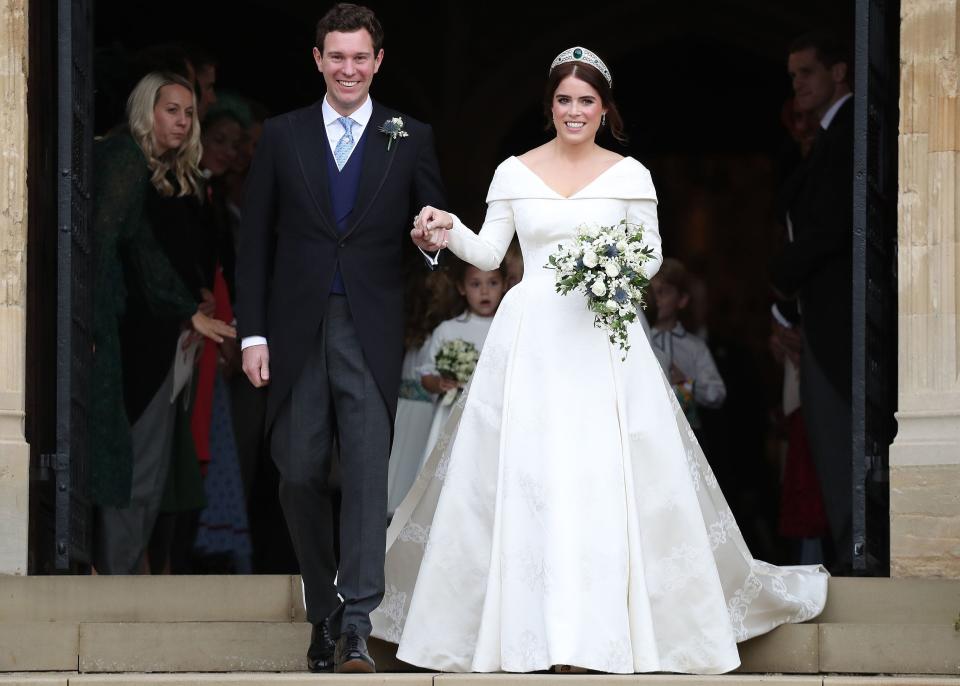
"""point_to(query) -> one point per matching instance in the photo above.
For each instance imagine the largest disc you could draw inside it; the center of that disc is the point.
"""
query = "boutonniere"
(394, 130)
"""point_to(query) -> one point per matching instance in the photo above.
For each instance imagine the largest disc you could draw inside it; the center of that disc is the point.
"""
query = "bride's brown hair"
(590, 75)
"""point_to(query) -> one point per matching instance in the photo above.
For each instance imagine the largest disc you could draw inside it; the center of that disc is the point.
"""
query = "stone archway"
(925, 457)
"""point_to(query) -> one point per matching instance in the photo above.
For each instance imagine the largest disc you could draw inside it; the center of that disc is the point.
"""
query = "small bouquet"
(456, 360)
(605, 263)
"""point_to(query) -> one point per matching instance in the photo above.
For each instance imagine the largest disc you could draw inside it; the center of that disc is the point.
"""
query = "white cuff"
(778, 316)
(432, 261)
(249, 341)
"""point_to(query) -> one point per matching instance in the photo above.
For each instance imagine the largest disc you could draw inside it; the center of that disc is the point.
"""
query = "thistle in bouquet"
(605, 263)
(456, 360)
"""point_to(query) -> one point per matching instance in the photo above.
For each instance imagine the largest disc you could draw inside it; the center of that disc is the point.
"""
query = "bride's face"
(576, 109)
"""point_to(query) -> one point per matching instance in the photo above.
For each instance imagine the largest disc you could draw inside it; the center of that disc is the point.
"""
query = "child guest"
(685, 358)
(481, 293)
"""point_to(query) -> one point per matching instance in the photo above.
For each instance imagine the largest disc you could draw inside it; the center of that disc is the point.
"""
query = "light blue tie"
(345, 144)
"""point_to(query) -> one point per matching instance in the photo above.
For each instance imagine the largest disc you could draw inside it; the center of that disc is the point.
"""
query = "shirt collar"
(832, 112)
(361, 115)
(677, 332)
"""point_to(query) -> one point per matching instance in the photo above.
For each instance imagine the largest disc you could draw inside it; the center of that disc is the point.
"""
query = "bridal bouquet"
(456, 360)
(605, 264)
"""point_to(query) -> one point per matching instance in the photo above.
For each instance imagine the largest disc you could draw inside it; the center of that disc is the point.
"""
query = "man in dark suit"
(816, 267)
(328, 207)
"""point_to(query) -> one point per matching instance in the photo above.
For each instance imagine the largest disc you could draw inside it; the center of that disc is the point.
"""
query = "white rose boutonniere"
(394, 130)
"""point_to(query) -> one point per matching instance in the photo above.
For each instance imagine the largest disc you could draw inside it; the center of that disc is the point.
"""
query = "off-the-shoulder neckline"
(578, 191)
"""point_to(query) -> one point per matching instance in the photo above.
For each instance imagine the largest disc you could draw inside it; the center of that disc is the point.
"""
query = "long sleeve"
(164, 290)
(256, 239)
(708, 387)
(119, 194)
(824, 226)
(123, 234)
(428, 354)
(644, 213)
(485, 250)
(427, 181)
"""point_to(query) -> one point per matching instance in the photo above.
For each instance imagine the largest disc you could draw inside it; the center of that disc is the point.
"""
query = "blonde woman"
(157, 153)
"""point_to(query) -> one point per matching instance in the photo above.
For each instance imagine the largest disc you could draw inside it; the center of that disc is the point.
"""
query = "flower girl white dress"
(567, 514)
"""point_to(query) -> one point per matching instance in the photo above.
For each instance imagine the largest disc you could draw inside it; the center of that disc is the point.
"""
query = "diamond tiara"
(579, 54)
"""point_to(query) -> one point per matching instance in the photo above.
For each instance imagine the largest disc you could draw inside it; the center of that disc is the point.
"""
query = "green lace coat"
(124, 243)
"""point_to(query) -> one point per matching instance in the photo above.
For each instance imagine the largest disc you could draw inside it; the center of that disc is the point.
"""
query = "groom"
(320, 310)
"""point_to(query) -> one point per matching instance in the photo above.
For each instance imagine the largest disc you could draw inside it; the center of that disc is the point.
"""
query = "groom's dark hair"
(347, 18)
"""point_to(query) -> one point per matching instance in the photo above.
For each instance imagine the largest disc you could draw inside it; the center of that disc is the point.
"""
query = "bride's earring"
(603, 119)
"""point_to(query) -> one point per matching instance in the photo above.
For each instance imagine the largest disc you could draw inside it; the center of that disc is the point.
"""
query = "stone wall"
(925, 457)
(14, 451)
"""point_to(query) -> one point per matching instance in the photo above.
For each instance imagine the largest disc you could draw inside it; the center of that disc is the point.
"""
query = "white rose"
(576, 251)
(591, 230)
(612, 305)
(612, 269)
(622, 246)
(598, 288)
(590, 259)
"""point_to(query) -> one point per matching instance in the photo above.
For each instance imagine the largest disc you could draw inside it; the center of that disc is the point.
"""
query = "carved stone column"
(14, 451)
(925, 457)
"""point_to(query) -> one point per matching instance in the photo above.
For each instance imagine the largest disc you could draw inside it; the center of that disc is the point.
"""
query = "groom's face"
(348, 63)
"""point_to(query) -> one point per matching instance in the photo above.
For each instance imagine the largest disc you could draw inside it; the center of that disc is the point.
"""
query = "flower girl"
(430, 299)
(454, 347)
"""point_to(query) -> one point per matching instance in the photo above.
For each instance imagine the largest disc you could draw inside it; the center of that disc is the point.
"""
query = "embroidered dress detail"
(569, 513)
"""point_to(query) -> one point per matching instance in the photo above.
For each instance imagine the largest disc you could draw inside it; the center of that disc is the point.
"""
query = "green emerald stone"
(577, 54)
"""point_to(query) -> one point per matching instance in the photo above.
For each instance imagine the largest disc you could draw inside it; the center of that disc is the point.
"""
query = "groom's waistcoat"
(343, 185)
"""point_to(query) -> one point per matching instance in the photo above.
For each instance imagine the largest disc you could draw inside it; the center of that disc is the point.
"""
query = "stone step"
(255, 624)
(432, 679)
(853, 600)
(108, 647)
(266, 598)
(279, 598)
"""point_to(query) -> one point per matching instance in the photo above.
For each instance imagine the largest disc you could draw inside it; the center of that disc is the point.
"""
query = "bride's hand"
(430, 229)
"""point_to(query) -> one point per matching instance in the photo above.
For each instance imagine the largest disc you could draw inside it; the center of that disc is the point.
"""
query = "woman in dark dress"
(129, 463)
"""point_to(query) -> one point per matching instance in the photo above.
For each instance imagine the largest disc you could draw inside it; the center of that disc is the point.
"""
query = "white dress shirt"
(832, 112)
(334, 133)
(335, 130)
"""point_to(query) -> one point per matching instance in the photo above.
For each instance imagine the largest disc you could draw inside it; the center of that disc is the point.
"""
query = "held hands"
(430, 229)
(256, 364)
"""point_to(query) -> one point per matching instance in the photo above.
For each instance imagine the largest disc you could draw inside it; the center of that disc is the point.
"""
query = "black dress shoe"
(351, 656)
(322, 647)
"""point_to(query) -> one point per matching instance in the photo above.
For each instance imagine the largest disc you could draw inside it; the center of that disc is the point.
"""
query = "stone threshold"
(434, 679)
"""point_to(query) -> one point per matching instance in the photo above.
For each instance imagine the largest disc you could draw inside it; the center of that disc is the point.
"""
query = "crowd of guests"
(179, 465)
(174, 441)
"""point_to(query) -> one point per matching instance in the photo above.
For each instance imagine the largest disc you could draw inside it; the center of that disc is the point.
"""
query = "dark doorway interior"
(700, 84)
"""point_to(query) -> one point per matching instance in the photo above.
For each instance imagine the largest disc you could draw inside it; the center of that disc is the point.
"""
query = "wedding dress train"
(567, 515)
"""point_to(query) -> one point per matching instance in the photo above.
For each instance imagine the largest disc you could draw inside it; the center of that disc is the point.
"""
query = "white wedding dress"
(567, 514)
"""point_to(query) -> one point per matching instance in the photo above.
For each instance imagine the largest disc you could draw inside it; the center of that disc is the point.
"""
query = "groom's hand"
(430, 229)
(256, 365)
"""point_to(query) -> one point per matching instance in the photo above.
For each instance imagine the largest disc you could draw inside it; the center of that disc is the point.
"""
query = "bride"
(567, 515)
